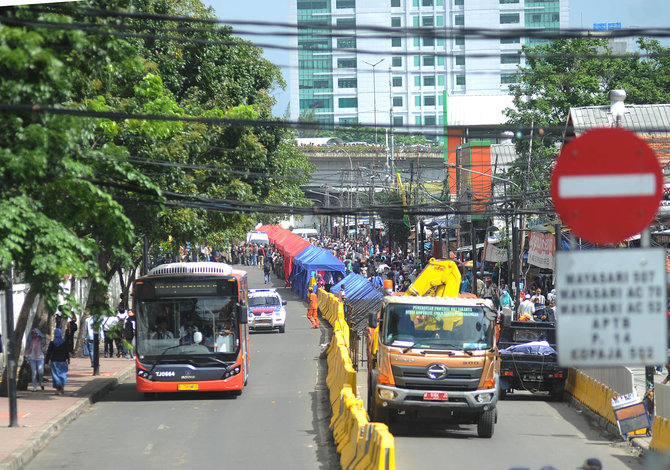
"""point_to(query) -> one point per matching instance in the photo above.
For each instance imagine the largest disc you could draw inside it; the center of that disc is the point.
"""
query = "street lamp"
(374, 93)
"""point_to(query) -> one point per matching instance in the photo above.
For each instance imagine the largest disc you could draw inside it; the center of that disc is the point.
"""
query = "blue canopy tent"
(357, 287)
(313, 258)
(361, 298)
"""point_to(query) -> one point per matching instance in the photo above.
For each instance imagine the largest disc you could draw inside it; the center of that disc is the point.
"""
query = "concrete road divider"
(660, 435)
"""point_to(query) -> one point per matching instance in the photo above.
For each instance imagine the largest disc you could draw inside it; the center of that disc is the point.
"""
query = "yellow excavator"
(440, 278)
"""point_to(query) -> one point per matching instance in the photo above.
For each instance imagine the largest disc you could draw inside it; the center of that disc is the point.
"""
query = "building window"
(346, 83)
(430, 120)
(459, 40)
(346, 63)
(397, 101)
(396, 61)
(459, 20)
(509, 18)
(346, 22)
(345, 4)
(427, 21)
(346, 43)
(348, 121)
(507, 78)
(395, 22)
(503, 2)
(397, 121)
(312, 5)
(396, 81)
(426, 3)
(417, 101)
(429, 101)
(460, 60)
(510, 59)
(440, 80)
(395, 3)
(348, 102)
(428, 61)
(396, 42)
(428, 41)
(439, 20)
(510, 40)
(429, 80)
(460, 79)
(458, 3)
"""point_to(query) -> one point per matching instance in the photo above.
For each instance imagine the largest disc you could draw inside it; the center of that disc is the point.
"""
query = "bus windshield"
(439, 327)
(186, 326)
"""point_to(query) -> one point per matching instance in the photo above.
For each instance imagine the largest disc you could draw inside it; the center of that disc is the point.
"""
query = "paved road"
(279, 422)
(531, 432)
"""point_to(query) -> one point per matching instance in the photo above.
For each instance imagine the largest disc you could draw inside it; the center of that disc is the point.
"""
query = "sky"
(583, 14)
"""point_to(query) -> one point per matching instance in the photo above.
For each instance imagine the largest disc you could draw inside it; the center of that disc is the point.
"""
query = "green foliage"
(569, 73)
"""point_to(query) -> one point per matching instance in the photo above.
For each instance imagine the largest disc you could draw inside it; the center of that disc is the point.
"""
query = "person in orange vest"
(313, 309)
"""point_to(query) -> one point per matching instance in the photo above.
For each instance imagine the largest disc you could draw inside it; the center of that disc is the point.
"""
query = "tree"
(569, 73)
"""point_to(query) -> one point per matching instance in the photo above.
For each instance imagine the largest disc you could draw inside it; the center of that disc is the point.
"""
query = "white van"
(306, 232)
(258, 237)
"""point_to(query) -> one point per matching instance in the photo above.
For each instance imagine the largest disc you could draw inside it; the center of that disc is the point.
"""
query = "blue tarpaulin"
(312, 259)
(357, 287)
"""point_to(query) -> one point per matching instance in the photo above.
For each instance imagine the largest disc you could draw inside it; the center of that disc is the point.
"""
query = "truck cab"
(434, 358)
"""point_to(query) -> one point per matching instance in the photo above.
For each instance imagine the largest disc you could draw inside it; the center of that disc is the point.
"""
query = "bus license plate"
(439, 396)
(187, 387)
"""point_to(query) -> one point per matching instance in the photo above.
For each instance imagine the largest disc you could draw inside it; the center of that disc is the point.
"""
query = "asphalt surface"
(280, 420)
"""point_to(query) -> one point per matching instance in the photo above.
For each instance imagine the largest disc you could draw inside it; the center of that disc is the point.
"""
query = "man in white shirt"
(526, 309)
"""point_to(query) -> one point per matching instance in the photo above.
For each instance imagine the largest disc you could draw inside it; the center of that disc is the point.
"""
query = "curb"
(36, 443)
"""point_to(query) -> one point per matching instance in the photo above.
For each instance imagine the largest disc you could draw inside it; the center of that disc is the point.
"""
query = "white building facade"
(363, 71)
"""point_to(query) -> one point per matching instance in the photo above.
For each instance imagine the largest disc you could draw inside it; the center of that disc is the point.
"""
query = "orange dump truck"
(432, 355)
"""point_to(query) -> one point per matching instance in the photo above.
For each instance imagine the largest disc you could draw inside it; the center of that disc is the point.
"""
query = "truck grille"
(416, 378)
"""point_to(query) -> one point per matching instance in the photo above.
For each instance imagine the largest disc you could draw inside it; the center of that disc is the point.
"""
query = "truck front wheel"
(377, 413)
(486, 423)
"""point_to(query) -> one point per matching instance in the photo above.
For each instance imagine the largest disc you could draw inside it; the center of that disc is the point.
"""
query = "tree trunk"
(19, 330)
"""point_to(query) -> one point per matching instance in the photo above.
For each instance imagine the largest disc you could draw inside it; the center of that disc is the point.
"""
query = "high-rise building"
(348, 66)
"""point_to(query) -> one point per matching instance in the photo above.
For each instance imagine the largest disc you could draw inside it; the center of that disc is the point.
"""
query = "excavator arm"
(441, 278)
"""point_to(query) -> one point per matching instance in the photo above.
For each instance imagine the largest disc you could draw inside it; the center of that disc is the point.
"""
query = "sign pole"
(11, 359)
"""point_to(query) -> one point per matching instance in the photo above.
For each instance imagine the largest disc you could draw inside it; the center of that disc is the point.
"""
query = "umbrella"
(382, 267)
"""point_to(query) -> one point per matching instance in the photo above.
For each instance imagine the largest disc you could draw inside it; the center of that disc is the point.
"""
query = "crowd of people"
(395, 270)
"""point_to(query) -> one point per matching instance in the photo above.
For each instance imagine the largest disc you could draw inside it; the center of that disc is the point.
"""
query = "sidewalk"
(42, 414)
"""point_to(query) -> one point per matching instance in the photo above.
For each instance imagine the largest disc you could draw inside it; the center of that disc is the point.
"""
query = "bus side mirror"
(242, 318)
(372, 320)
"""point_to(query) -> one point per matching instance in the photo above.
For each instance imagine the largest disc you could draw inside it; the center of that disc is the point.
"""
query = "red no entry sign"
(607, 185)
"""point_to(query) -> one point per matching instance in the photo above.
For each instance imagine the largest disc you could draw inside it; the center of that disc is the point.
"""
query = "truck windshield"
(186, 327)
(439, 326)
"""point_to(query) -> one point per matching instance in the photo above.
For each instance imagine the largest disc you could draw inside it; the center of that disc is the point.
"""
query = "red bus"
(191, 328)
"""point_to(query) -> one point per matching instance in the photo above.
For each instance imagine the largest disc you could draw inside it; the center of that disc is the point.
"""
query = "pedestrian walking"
(70, 330)
(89, 343)
(107, 323)
(59, 356)
(129, 335)
(35, 355)
(312, 310)
(267, 271)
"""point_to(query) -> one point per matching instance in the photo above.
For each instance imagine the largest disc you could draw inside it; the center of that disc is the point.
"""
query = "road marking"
(633, 184)
(148, 449)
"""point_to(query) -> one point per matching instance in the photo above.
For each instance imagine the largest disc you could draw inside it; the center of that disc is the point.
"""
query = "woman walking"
(35, 355)
(59, 355)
